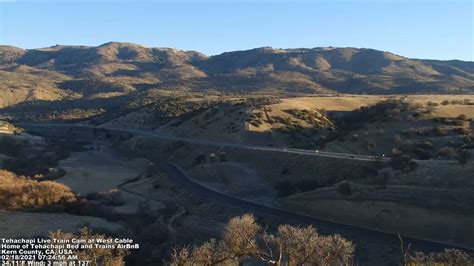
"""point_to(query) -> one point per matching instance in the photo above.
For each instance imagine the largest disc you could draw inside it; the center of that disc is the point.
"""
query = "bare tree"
(97, 256)
(244, 239)
(240, 236)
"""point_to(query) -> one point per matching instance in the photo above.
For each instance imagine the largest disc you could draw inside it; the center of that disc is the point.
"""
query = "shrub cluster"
(96, 256)
(255, 119)
(311, 117)
(245, 240)
(446, 257)
(21, 192)
(458, 102)
(455, 121)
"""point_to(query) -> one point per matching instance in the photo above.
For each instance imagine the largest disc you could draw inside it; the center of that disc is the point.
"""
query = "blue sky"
(439, 29)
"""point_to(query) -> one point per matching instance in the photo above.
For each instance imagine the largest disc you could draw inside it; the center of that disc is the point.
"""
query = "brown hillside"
(114, 70)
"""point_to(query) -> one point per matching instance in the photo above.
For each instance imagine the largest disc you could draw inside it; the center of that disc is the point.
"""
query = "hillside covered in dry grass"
(115, 74)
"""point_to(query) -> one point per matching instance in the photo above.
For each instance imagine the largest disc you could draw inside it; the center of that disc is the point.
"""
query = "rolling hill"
(114, 73)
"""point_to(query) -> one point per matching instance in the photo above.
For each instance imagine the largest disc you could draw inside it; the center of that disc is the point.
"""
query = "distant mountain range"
(117, 69)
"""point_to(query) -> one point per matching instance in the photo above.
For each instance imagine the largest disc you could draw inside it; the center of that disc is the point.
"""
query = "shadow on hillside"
(52, 110)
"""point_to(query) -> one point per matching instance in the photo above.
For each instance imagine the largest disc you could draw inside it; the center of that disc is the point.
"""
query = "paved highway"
(325, 226)
(348, 156)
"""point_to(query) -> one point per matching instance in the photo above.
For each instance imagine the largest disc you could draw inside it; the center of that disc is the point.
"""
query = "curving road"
(347, 156)
(365, 238)
(323, 225)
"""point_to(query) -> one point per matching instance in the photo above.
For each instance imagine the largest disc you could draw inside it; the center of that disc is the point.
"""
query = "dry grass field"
(426, 186)
(100, 168)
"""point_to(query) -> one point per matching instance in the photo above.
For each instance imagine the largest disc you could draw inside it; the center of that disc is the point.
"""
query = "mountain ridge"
(120, 68)
(322, 48)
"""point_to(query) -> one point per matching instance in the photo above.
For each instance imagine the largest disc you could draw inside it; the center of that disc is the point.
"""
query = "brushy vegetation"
(18, 192)
(28, 159)
(72, 114)
(96, 256)
(457, 102)
(312, 117)
(452, 257)
(255, 119)
(245, 240)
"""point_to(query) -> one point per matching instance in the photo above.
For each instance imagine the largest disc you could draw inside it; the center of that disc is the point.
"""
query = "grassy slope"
(114, 69)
